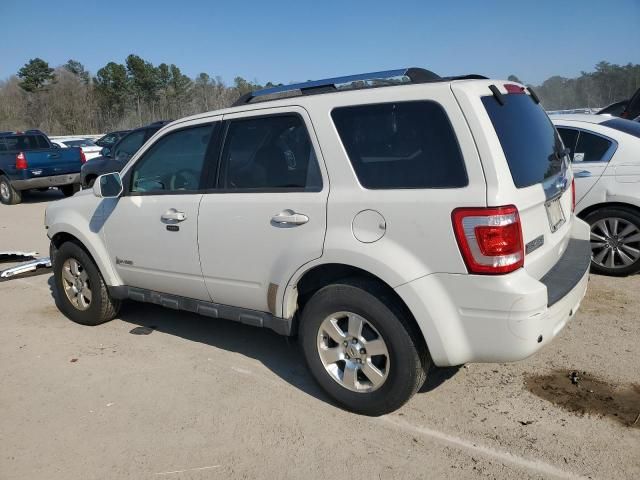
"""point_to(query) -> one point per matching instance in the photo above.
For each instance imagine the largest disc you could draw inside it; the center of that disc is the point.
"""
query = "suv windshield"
(530, 143)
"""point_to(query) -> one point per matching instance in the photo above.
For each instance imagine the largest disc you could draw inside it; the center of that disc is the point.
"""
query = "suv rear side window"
(528, 138)
(401, 145)
(269, 153)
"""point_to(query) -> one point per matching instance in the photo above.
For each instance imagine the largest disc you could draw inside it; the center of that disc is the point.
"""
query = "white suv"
(391, 220)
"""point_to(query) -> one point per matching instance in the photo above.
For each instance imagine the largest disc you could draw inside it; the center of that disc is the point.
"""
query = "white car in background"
(605, 153)
(90, 149)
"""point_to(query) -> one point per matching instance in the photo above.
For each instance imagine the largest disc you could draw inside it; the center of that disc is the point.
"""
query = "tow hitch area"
(29, 266)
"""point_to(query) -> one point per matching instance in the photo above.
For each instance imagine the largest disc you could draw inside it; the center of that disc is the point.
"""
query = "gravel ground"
(163, 394)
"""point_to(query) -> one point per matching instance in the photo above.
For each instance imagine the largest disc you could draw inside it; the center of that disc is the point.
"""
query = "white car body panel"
(615, 181)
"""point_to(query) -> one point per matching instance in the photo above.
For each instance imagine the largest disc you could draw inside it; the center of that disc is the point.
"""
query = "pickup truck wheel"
(69, 190)
(361, 347)
(81, 292)
(615, 241)
(8, 194)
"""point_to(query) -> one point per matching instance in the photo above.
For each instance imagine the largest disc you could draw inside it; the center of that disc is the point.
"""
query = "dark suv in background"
(110, 139)
(112, 159)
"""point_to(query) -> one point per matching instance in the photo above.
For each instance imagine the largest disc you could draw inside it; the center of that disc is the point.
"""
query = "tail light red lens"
(21, 161)
(83, 158)
(490, 239)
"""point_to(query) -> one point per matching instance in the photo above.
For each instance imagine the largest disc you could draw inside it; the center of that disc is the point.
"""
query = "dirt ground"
(163, 394)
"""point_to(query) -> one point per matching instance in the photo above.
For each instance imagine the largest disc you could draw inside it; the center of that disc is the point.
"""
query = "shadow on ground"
(36, 196)
(279, 354)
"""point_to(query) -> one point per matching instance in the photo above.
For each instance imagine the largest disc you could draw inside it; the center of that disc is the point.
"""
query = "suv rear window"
(401, 145)
(528, 138)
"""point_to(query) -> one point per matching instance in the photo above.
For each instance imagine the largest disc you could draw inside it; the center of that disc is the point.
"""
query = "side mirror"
(105, 152)
(55, 145)
(108, 185)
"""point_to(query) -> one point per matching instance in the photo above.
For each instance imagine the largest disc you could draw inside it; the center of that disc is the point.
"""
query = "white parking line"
(189, 470)
(504, 456)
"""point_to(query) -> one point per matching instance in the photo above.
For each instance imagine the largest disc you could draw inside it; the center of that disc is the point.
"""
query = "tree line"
(608, 83)
(69, 100)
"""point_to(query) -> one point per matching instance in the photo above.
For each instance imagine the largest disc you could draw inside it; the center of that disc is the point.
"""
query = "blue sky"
(291, 41)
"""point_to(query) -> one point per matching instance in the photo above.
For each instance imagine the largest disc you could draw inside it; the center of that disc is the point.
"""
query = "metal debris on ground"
(573, 376)
(26, 267)
(16, 255)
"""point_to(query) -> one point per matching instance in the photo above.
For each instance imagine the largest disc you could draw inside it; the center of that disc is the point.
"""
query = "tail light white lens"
(21, 161)
(490, 239)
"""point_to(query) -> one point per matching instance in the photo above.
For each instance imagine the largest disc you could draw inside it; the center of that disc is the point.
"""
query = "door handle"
(582, 174)
(289, 217)
(174, 216)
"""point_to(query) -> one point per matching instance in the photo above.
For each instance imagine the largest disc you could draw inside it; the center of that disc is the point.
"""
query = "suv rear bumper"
(43, 182)
(502, 318)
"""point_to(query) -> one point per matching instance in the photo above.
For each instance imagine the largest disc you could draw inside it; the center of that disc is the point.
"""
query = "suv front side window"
(174, 163)
(269, 153)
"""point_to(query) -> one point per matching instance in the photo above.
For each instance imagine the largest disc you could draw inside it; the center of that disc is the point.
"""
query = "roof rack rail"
(351, 82)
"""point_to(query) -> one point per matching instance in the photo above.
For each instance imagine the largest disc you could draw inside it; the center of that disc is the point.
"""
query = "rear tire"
(615, 241)
(8, 194)
(399, 371)
(81, 293)
(69, 190)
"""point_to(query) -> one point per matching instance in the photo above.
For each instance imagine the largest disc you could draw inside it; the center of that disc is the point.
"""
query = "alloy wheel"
(76, 283)
(353, 352)
(615, 242)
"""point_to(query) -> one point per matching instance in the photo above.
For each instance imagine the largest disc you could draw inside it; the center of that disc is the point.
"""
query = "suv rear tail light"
(490, 239)
(83, 158)
(21, 161)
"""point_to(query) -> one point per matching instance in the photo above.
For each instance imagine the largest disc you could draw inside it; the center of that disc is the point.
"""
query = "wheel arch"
(94, 248)
(598, 206)
(300, 290)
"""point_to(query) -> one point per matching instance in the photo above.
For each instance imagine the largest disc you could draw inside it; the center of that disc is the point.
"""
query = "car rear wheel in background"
(81, 293)
(8, 194)
(69, 190)
(362, 348)
(615, 241)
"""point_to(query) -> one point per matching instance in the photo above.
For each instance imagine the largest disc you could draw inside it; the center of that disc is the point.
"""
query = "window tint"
(26, 142)
(622, 125)
(591, 148)
(401, 145)
(569, 137)
(527, 137)
(174, 162)
(129, 145)
(269, 153)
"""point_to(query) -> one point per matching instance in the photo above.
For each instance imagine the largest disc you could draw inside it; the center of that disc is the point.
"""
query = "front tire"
(70, 190)
(8, 194)
(81, 293)
(362, 348)
(615, 241)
